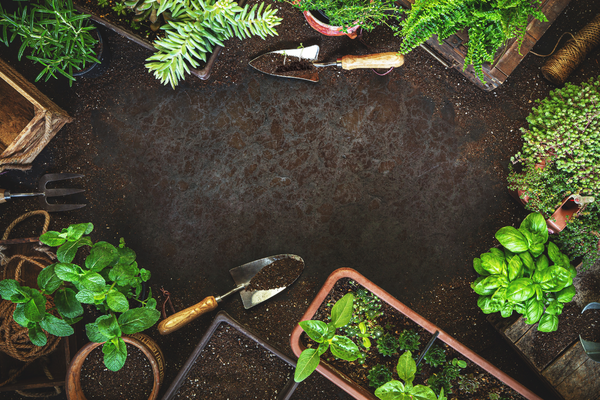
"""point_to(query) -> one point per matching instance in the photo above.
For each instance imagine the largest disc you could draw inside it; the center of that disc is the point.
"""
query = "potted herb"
(344, 17)
(525, 275)
(560, 167)
(376, 316)
(490, 23)
(109, 278)
(53, 34)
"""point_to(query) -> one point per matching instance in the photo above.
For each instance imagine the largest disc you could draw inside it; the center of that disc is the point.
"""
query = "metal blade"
(309, 53)
(60, 207)
(55, 177)
(243, 274)
(62, 192)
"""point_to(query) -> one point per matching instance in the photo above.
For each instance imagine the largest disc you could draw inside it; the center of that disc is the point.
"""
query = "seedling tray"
(222, 317)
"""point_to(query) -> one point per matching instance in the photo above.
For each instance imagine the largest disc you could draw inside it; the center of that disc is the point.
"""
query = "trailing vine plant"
(491, 23)
(197, 26)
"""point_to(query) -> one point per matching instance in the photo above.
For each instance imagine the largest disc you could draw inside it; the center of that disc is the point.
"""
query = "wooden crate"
(567, 370)
(507, 58)
(28, 120)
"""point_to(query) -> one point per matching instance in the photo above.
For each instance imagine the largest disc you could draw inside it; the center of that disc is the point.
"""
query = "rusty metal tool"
(44, 193)
(269, 64)
(242, 276)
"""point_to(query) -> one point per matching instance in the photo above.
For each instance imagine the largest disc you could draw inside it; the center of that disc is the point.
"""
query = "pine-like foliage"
(491, 24)
(196, 26)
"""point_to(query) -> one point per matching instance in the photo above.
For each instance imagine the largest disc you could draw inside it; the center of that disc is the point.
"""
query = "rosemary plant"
(196, 26)
(53, 34)
(491, 24)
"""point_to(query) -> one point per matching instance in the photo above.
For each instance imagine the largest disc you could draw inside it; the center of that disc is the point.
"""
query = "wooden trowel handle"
(380, 60)
(183, 317)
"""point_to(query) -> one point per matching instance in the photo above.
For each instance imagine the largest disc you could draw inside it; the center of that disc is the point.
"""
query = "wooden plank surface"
(565, 365)
(583, 383)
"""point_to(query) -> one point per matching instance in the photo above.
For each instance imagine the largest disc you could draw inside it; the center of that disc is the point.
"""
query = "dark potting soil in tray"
(280, 273)
(133, 382)
(283, 65)
(233, 366)
(394, 322)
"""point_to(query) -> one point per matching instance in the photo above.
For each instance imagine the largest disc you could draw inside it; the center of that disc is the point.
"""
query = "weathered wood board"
(28, 120)
(567, 370)
(507, 59)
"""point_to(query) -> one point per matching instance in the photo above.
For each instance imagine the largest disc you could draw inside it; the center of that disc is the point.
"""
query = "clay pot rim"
(322, 27)
(357, 391)
(73, 383)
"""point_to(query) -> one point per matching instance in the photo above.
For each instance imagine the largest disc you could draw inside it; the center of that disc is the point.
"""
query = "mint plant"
(526, 276)
(325, 335)
(108, 279)
(396, 390)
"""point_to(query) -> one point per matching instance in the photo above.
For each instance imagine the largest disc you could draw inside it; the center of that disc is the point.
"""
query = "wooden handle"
(183, 317)
(381, 60)
(2, 196)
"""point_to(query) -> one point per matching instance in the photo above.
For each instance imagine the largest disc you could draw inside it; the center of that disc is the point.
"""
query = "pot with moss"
(340, 334)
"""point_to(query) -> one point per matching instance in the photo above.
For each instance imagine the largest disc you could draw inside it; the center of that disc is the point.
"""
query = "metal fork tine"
(62, 207)
(62, 192)
(55, 177)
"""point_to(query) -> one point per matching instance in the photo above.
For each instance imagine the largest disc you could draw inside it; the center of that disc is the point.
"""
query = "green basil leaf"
(548, 323)
(499, 294)
(330, 331)
(35, 308)
(520, 290)
(536, 224)
(493, 263)
(534, 311)
(566, 295)
(512, 239)
(323, 348)
(307, 363)
(527, 235)
(528, 262)
(478, 268)
(341, 312)
(48, 280)
(488, 305)
(52, 239)
(115, 354)
(316, 330)
(94, 334)
(392, 390)
(536, 249)
(489, 284)
(138, 319)
(19, 315)
(56, 326)
(406, 368)
(561, 278)
(541, 263)
(67, 303)
(102, 254)
(37, 336)
(507, 310)
(108, 326)
(344, 348)
(554, 253)
(422, 392)
(497, 252)
(555, 308)
(515, 268)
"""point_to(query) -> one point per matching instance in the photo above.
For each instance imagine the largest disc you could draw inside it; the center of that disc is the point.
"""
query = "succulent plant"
(435, 357)
(409, 340)
(387, 345)
(468, 384)
(379, 375)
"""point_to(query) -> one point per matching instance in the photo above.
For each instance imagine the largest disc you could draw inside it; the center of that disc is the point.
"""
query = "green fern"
(491, 23)
(197, 26)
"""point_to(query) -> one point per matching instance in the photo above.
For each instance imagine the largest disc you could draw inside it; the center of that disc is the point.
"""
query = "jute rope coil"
(558, 67)
(14, 339)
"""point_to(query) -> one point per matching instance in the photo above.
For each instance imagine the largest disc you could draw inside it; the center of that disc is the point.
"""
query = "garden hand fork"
(44, 193)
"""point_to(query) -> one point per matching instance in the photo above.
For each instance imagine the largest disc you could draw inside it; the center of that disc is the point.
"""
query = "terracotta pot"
(329, 30)
(139, 340)
(352, 387)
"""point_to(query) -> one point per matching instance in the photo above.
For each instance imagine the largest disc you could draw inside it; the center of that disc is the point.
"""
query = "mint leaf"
(56, 326)
(138, 319)
(19, 316)
(37, 336)
(108, 326)
(94, 334)
(85, 296)
(9, 288)
(144, 274)
(93, 281)
(102, 254)
(115, 354)
(67, 303)
(48, 280)
(66, 253)
(68, 272)
(52, 239)
(117, 301)
(35, 308)
(76, 231)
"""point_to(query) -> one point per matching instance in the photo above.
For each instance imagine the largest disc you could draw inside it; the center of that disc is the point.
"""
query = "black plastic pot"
(99, 55)
(223, 318)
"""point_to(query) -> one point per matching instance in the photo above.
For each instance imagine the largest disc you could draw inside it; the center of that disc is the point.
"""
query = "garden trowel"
(299, 63)
(242, 276)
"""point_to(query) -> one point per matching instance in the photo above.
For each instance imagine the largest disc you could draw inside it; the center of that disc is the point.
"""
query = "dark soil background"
(402, 177)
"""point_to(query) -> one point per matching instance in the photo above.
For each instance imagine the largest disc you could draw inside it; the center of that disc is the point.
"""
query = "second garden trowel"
(299, 63)
(276, 274)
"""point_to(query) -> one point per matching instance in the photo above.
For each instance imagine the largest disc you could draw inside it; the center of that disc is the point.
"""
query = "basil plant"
(528, 275)
(324, 334)
(108, 279)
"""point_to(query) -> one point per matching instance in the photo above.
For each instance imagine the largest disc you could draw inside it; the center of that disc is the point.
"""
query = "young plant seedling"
(324, 334)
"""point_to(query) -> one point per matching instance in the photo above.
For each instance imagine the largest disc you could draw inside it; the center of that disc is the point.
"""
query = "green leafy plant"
(53, 34)
(147, 9)
(561, 157)
(526, 276)
(439, 382)
(491, 24)
(435, 357)
(196, 26)
(408, 340)
(366, 309)
(103, 3)
(450, 372)
(120, 9)
(379, 375)
(348, 13)
(387, 345)
(468, 383)
(325, 335)
(108, 277)
(396, 390)
(452, 369)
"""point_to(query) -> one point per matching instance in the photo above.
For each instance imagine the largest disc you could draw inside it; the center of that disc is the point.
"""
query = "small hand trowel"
(298, 63)
(242, 276)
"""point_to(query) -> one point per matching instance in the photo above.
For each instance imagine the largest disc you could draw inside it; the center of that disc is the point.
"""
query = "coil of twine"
(558, 67)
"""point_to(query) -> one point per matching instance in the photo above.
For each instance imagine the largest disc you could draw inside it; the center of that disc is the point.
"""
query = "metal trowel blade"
(310, 53)
(243, 274)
